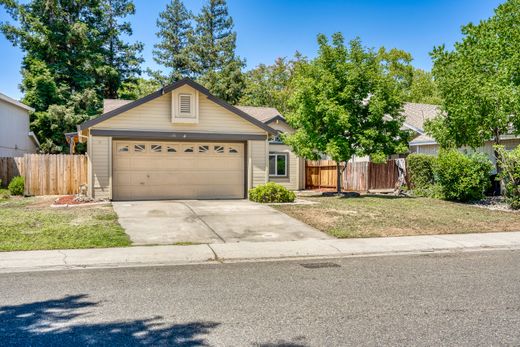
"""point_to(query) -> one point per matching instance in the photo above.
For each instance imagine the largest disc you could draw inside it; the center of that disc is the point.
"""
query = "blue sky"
(268, 29)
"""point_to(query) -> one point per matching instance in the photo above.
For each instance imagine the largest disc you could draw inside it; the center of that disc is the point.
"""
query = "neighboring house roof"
(15, 102)
(417, 114)
(112, 104)
(263, 114)
(167, 89)
(423, 139)
(33, 138)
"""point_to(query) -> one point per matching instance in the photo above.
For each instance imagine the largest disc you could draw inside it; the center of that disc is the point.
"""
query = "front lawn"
(29, 224)
(372, 216)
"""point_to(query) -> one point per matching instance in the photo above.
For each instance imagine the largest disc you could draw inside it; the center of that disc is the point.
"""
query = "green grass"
(373, 216)
(29, 224)
(4, 195)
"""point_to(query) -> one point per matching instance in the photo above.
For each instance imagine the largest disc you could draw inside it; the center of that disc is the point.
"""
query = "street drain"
(319, 265)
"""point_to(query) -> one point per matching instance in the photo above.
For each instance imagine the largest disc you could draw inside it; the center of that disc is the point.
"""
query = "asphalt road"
(431, 299)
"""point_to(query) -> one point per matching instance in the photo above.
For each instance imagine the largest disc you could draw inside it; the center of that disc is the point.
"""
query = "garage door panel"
(206, 171)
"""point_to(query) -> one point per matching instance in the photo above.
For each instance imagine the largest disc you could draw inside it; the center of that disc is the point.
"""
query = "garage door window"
(233, 150)
(171, 149)
(278, 165)
(218, 149)
(203, 149)
(139, 148)
(156, 148)
(188, 149)
(122, 148)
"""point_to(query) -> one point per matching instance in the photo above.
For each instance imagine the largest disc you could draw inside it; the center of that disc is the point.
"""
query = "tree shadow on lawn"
(45, 323)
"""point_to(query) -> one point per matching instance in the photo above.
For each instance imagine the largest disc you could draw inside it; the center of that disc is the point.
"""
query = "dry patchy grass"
(29, 224)
(371, 216)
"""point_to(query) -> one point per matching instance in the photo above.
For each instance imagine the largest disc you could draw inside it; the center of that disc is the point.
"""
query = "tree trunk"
(338, 172)
(497, 188)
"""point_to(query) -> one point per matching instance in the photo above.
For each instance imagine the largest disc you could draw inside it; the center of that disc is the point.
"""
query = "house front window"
(278, 164)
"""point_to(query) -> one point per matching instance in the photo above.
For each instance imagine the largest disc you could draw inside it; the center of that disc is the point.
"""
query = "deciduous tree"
(270, 85)
(479, 82)
(346, 102)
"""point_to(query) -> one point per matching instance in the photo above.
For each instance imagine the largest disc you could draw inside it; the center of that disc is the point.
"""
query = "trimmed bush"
(271, 192)
(509, 162)
(420, 170)
(462, 177)
(16, 186)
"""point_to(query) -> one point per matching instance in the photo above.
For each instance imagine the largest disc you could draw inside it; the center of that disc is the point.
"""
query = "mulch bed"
(68, 200)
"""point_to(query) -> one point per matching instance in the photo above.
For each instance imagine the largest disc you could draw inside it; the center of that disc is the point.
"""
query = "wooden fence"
(46, 174)
(358, 176)
(9, 168)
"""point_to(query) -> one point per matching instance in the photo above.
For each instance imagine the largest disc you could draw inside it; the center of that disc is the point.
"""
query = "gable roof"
(112, 104)
(14, 102)
(417, 114)
(185, 81)
(263, 114)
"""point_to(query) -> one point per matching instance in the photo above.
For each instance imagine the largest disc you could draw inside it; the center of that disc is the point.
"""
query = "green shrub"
(16, 186)
(509, 162)
(462, 177)
(271, 192)
(420, 171)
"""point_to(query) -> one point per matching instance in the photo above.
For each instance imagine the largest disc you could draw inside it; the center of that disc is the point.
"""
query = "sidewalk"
(250, 251)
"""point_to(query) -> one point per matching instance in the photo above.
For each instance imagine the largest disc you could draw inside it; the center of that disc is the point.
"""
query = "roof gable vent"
(185, 107)
(185, 104)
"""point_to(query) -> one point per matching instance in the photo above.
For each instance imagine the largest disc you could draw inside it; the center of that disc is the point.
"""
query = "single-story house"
(15, 137)
(182, 142)
(416, 116)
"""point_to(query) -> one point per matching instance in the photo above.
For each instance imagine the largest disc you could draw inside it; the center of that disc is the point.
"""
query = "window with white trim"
(278, 164)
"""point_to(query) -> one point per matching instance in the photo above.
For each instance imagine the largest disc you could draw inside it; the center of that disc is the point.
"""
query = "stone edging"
(99, 203)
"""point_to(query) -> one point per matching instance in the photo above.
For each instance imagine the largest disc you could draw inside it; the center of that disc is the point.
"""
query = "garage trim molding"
(175, 136)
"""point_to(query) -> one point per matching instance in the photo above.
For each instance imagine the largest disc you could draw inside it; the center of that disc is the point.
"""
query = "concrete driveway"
(208, 221)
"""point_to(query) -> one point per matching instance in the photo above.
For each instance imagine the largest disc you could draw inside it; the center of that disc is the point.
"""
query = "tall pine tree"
(214, 45)
(173, 50)
(121, 60)
(74, 56)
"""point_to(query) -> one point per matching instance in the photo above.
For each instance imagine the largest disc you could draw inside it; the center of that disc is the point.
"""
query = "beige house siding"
(100, 159)
(296, 165)
(156, 115)
(292, 181)
(257, 158)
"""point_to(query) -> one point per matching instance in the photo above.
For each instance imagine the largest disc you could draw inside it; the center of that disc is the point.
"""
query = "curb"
(223, 253)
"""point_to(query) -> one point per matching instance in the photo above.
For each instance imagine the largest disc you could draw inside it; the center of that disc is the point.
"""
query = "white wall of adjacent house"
(14, 131)
(433, 149)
